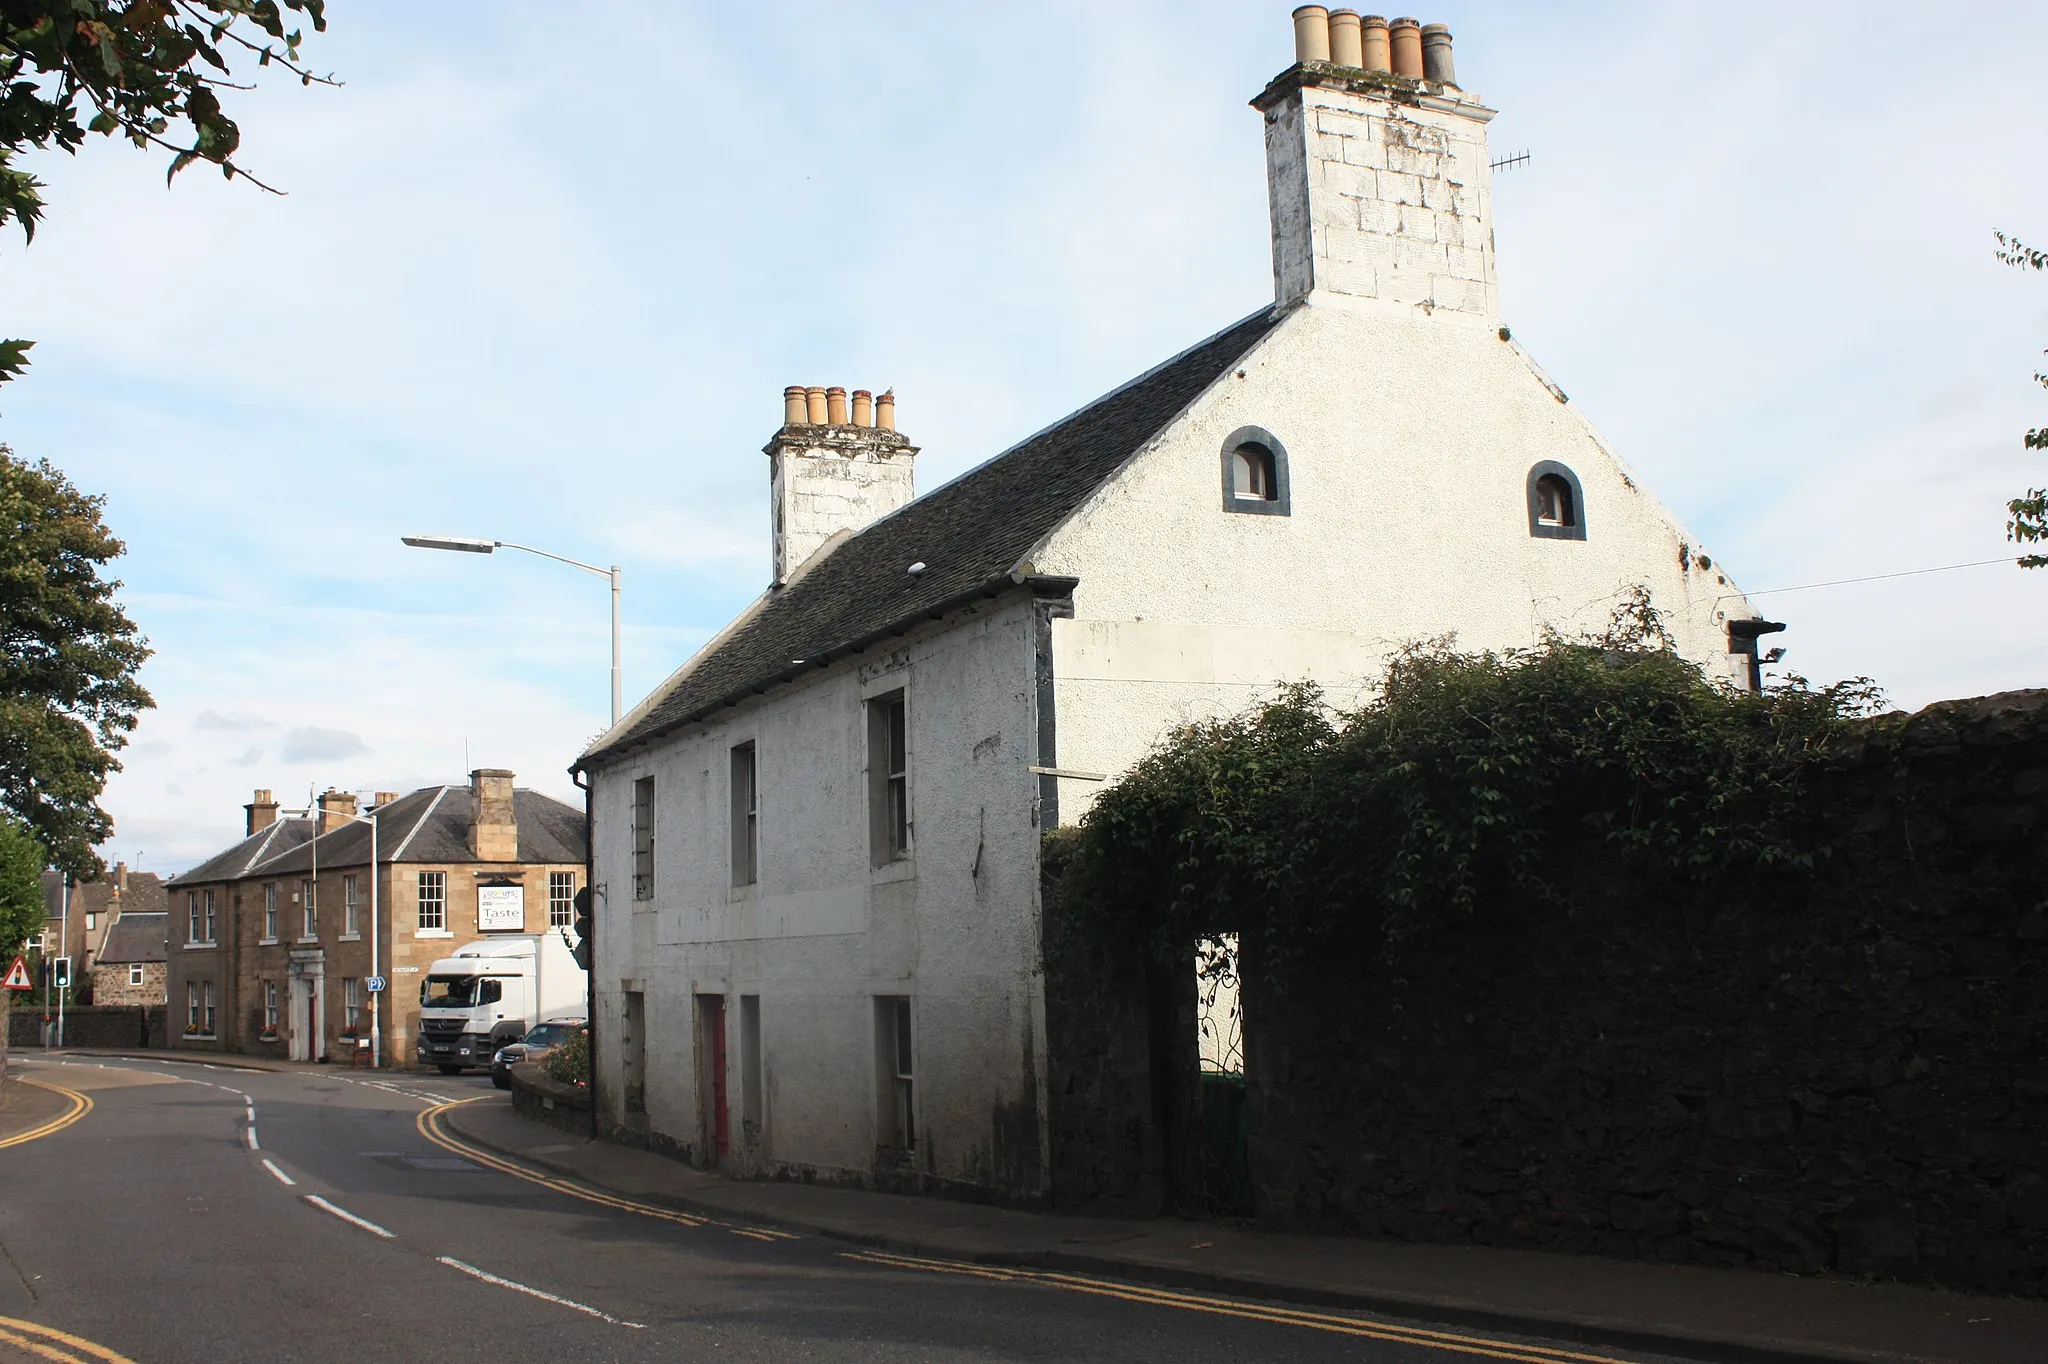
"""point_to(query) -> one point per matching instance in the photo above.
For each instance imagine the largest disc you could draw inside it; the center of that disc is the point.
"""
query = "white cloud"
(308, 744)
(493, 305)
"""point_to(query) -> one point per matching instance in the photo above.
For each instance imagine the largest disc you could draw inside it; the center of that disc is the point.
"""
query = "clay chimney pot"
(1436, 55)
(863, 407)
(1345, 49)
(1372, 40)
(1312, 34)
(794, 410)
(835, 406)
(814, 405)
(885, 411)
(1405, 37)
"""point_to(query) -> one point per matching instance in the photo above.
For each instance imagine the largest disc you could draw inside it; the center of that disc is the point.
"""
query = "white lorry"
(490, 992)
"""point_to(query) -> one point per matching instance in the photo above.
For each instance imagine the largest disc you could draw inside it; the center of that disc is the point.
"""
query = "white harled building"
(817, 842)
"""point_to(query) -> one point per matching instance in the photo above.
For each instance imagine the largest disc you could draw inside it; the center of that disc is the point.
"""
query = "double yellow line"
(80, 1106)
(1247, 1311)
(432, 1128)
(47, 1342)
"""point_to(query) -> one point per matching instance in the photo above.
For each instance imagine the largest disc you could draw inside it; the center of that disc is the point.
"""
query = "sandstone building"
(270, 940)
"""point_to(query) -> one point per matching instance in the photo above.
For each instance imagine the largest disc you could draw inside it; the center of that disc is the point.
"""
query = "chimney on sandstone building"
(262, 812)
(335, 809)
(833, 468)
(493, 824)
(1376, 168)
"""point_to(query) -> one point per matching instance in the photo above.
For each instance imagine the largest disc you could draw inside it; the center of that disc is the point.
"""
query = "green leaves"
(68, 657)
(21, 886)
(137, 69)
(1470, 781)
(2029, 513)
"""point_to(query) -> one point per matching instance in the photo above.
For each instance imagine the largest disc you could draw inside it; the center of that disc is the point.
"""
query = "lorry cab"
(489, 993)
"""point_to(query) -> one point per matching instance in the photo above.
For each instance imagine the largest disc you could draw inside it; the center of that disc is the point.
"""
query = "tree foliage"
(68, 658)
(2029, 523)
(1456, 786)
(21, 887)
(150, 71)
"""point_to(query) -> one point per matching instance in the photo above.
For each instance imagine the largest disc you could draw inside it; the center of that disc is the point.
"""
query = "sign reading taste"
(500, 909)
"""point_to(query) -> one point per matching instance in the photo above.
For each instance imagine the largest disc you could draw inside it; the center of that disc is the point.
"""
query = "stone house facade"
(130, 967)
(817, 843)
(288, 970)
(93, 907)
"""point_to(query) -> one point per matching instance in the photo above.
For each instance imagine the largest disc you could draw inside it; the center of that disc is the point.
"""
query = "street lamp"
(319, 814)
(466, 545)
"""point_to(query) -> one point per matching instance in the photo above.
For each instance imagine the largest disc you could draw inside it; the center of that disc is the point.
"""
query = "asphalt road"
(200, 1214)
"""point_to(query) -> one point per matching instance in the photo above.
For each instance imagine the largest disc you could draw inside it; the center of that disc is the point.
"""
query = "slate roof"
(237, 860)
(135, 937)
(432, 825)
(145, 894)
(970, 533)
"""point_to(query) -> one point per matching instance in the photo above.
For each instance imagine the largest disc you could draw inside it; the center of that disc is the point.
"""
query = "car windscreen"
(547, 1035)
(449, 992)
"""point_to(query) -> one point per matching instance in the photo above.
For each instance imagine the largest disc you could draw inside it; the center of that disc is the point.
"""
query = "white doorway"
(308, 1011)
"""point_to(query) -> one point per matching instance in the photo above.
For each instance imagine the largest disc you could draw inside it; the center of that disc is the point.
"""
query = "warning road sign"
(18, 977)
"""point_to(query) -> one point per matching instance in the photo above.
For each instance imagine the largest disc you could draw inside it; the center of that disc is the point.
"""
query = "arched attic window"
(1255, 472)
(1557, 505)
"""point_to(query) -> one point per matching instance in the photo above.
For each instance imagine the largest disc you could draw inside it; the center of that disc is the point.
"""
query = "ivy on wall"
(1468, 778)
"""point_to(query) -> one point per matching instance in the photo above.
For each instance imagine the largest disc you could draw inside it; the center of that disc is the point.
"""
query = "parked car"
(540, 1039)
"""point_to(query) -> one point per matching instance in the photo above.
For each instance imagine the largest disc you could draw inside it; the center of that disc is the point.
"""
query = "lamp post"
(319, 813)
(465, 545)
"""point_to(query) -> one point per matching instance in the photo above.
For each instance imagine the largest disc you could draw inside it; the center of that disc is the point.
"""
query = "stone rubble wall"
(1845, 1071)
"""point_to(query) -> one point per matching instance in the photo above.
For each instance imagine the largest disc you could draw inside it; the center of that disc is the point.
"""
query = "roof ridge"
(418, 824)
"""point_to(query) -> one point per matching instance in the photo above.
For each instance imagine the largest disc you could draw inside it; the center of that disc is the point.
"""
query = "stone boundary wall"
(539, 1096)
(92, 1025)
(1122, 1116)
(1843, 1071)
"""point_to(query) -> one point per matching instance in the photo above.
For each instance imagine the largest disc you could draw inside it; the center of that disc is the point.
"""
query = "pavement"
(25, 1107)
(1716, 1314)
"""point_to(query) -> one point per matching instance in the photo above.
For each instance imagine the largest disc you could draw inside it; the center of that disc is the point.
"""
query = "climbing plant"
(1461, 782)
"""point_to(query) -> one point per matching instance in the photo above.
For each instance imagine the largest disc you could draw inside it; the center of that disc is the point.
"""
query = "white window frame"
(744, 791)
(270, 1017)
(192, 1005)
(192, 937)
(206, 991)
(438, 880)
(135, 973)
(351, 1001)
(561, 899)
(270, 912)
(309, 910)
(643, 838)
(206, 903)
(889, 822)
(351, 906)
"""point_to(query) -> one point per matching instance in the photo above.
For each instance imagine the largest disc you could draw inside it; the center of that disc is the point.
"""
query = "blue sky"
(542, 274)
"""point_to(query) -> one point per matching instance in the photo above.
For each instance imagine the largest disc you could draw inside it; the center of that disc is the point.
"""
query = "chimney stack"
(384, 798)
(120, 877)
(833, 470)
(1379, 180)
(262, 812)
(493, 822)
(335, 809)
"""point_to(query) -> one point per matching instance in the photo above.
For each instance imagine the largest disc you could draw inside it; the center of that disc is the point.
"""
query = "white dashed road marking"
(487, 1277)
(345, 1215)
(271, 1166)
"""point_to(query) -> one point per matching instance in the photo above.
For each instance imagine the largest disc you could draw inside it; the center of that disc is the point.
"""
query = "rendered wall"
(1844, 1072)
(824, 933)
(1409, 439)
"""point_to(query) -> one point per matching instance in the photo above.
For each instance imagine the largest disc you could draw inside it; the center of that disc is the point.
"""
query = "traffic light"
(60, 973)
(582, 926)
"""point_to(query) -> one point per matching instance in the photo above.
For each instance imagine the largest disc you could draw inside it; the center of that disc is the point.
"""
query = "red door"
(721, 1123)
